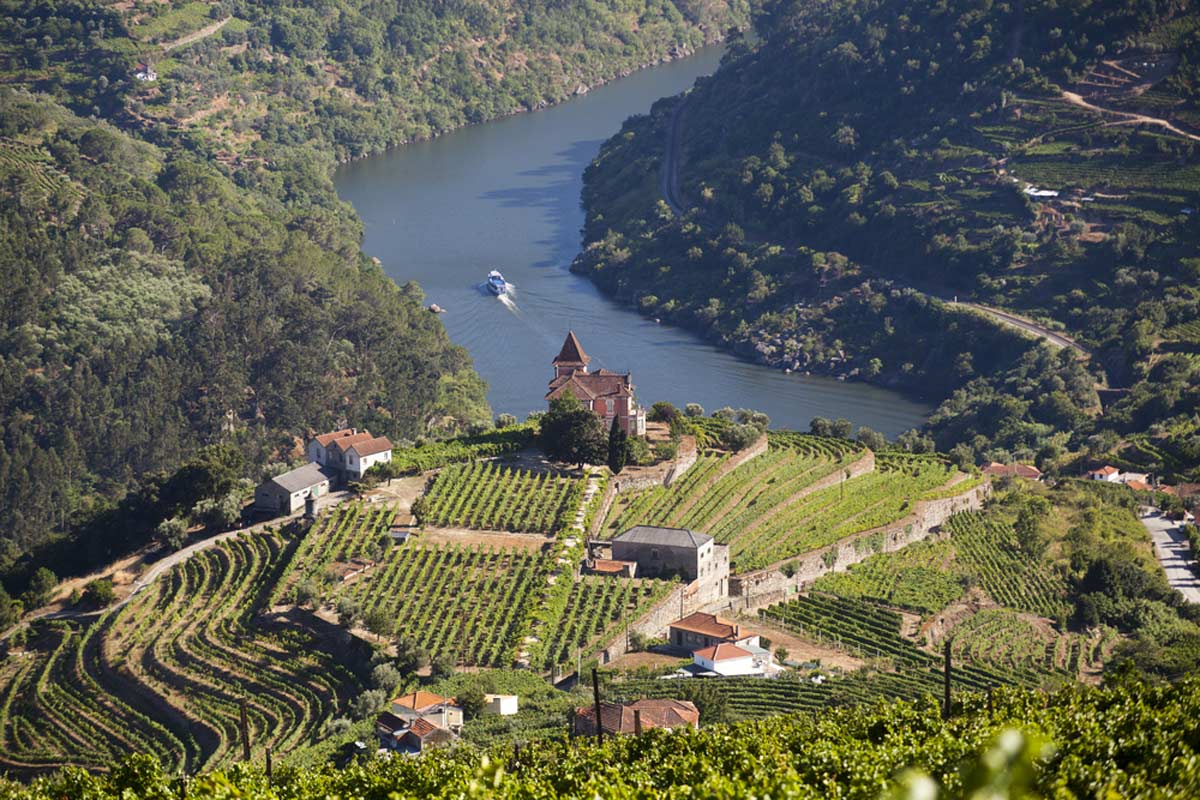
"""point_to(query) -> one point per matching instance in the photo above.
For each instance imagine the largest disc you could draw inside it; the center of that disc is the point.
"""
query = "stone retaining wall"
(761, 588)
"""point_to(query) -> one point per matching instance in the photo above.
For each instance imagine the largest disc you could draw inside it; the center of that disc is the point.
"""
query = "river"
(505, 195)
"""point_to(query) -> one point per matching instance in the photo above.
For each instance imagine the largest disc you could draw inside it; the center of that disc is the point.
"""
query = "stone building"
(666, 552)
(608, 394)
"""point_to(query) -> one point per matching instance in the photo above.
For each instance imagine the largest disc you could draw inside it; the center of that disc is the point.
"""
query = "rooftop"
(571, 352)
(722, 652)
(618, 718)
(1017, 470)
(325, 439)
(379, 444)
(664, 537)
(421, 700)
(590, 385)
(302, 478)
(708, 625)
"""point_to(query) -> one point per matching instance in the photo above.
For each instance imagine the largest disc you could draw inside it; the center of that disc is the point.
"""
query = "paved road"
(1029, 326)
(1173, 552)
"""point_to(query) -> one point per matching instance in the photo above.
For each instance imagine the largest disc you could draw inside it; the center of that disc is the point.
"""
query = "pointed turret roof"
(571, 352)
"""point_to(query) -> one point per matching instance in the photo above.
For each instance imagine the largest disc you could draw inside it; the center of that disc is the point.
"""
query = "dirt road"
(1127, 117)
(195, 36)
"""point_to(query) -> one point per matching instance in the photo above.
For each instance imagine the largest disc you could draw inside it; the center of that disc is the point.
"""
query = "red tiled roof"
(344, 443)
(1105, 470)
(422, 727)
(421, 700)
(722, 652)
(658, 713)
(571, 352)
(325, 438)
(1139, 486)
(379, 444)
(1017, 470)
(588, 385)
(707, 625)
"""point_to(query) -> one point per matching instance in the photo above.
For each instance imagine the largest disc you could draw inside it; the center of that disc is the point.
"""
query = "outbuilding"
(285, 494)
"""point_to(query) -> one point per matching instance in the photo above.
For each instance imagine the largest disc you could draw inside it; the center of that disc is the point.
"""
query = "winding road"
(1175, 554)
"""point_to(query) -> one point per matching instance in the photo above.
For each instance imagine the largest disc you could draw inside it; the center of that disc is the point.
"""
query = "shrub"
(172, 532)
(693, 410)
(99, 593)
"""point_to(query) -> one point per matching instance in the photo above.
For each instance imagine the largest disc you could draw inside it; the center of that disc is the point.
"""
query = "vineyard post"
(245, 726)
(946, 683)
(991, 703)
(269, 771)
(637, 721)
(596, 700)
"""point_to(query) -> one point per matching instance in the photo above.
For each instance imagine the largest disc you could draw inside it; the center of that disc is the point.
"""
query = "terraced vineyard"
(348, 531)
(484, 495)
(471, 602)
(596, 609)
(1003, 637)
(988, 549)
(922, 577)
(869, 631)
(165, 673)
(31, 161)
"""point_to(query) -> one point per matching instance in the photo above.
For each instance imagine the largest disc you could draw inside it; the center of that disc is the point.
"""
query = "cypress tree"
(618, 447)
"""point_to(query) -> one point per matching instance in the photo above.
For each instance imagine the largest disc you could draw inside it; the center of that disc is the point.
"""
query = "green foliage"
(435, 455)
(618, 448)
(572, 433)
(489, 496)
(99, 593)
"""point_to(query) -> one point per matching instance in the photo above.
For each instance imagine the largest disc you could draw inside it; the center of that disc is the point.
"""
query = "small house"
(350, 452)
(1106, 473)
(145, 72)
(409, 736)
(501, 705)
(623, 719)
(1026, 471)
(285, 494)
(700, 630)
(438, 710)
(726, 659)
(661, 551)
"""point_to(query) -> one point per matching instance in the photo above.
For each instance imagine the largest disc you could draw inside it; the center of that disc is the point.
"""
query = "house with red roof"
(700, 630)
(433, 708)
(624, 719)
(350, 452)
(727, 659)
(1026, 471)
(1106, 473)
(608, 394)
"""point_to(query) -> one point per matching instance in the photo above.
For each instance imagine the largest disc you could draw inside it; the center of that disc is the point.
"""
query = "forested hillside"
(819, 202)
(179, 270)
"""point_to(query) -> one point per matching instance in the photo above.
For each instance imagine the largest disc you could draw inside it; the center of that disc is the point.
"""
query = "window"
(608, 407)
(654, 554)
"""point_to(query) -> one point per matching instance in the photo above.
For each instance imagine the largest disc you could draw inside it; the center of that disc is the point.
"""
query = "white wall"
(730, 666)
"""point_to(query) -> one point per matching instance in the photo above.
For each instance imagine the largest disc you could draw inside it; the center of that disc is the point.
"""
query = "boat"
(496, 284)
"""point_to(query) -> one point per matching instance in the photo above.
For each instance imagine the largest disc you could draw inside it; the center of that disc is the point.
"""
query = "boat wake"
(509, 300)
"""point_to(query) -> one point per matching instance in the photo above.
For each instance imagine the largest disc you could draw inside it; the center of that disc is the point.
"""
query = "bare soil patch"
(633, 661)
(459, 536)
(801, 649)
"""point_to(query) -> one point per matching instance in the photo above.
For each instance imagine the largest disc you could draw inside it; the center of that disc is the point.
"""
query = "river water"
(505, 195)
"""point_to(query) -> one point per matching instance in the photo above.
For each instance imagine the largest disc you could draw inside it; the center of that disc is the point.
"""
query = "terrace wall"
(763, 587)
(682, 600)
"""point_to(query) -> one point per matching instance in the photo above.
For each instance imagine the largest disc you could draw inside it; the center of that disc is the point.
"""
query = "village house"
(145, 72)
(285, 494)
(440, 711)
(727, 659)
(1106, 473)
(350, 452)
(700, 630)
(660, 552)
(409, 736)
(623, 719)
(1026, 471)
(608, 394)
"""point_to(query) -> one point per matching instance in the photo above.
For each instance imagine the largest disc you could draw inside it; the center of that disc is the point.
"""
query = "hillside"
(820, 201)
(182, 271)
(1125, 741)
(324, 622)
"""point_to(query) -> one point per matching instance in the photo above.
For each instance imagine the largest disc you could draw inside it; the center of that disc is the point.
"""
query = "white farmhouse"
(285, 494)
(502, 705)
(350, 452)
(727, 659)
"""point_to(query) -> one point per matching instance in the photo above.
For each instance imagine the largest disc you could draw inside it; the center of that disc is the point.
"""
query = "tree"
(386, 677)
(471, 700)
(572, 433)
(172, 532)
(41, 587)
(618, 447)
(348, 611)
(871, 439)
(442, 666)
(781, 654)
(379, 622)
(505, 421)
(662, 411)
(307, 592)
(820, 426)
(842, 428)
(10, 609)
(99, 593)
(693, 410)
(419, 508)
(410, 656)
(369, 702)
